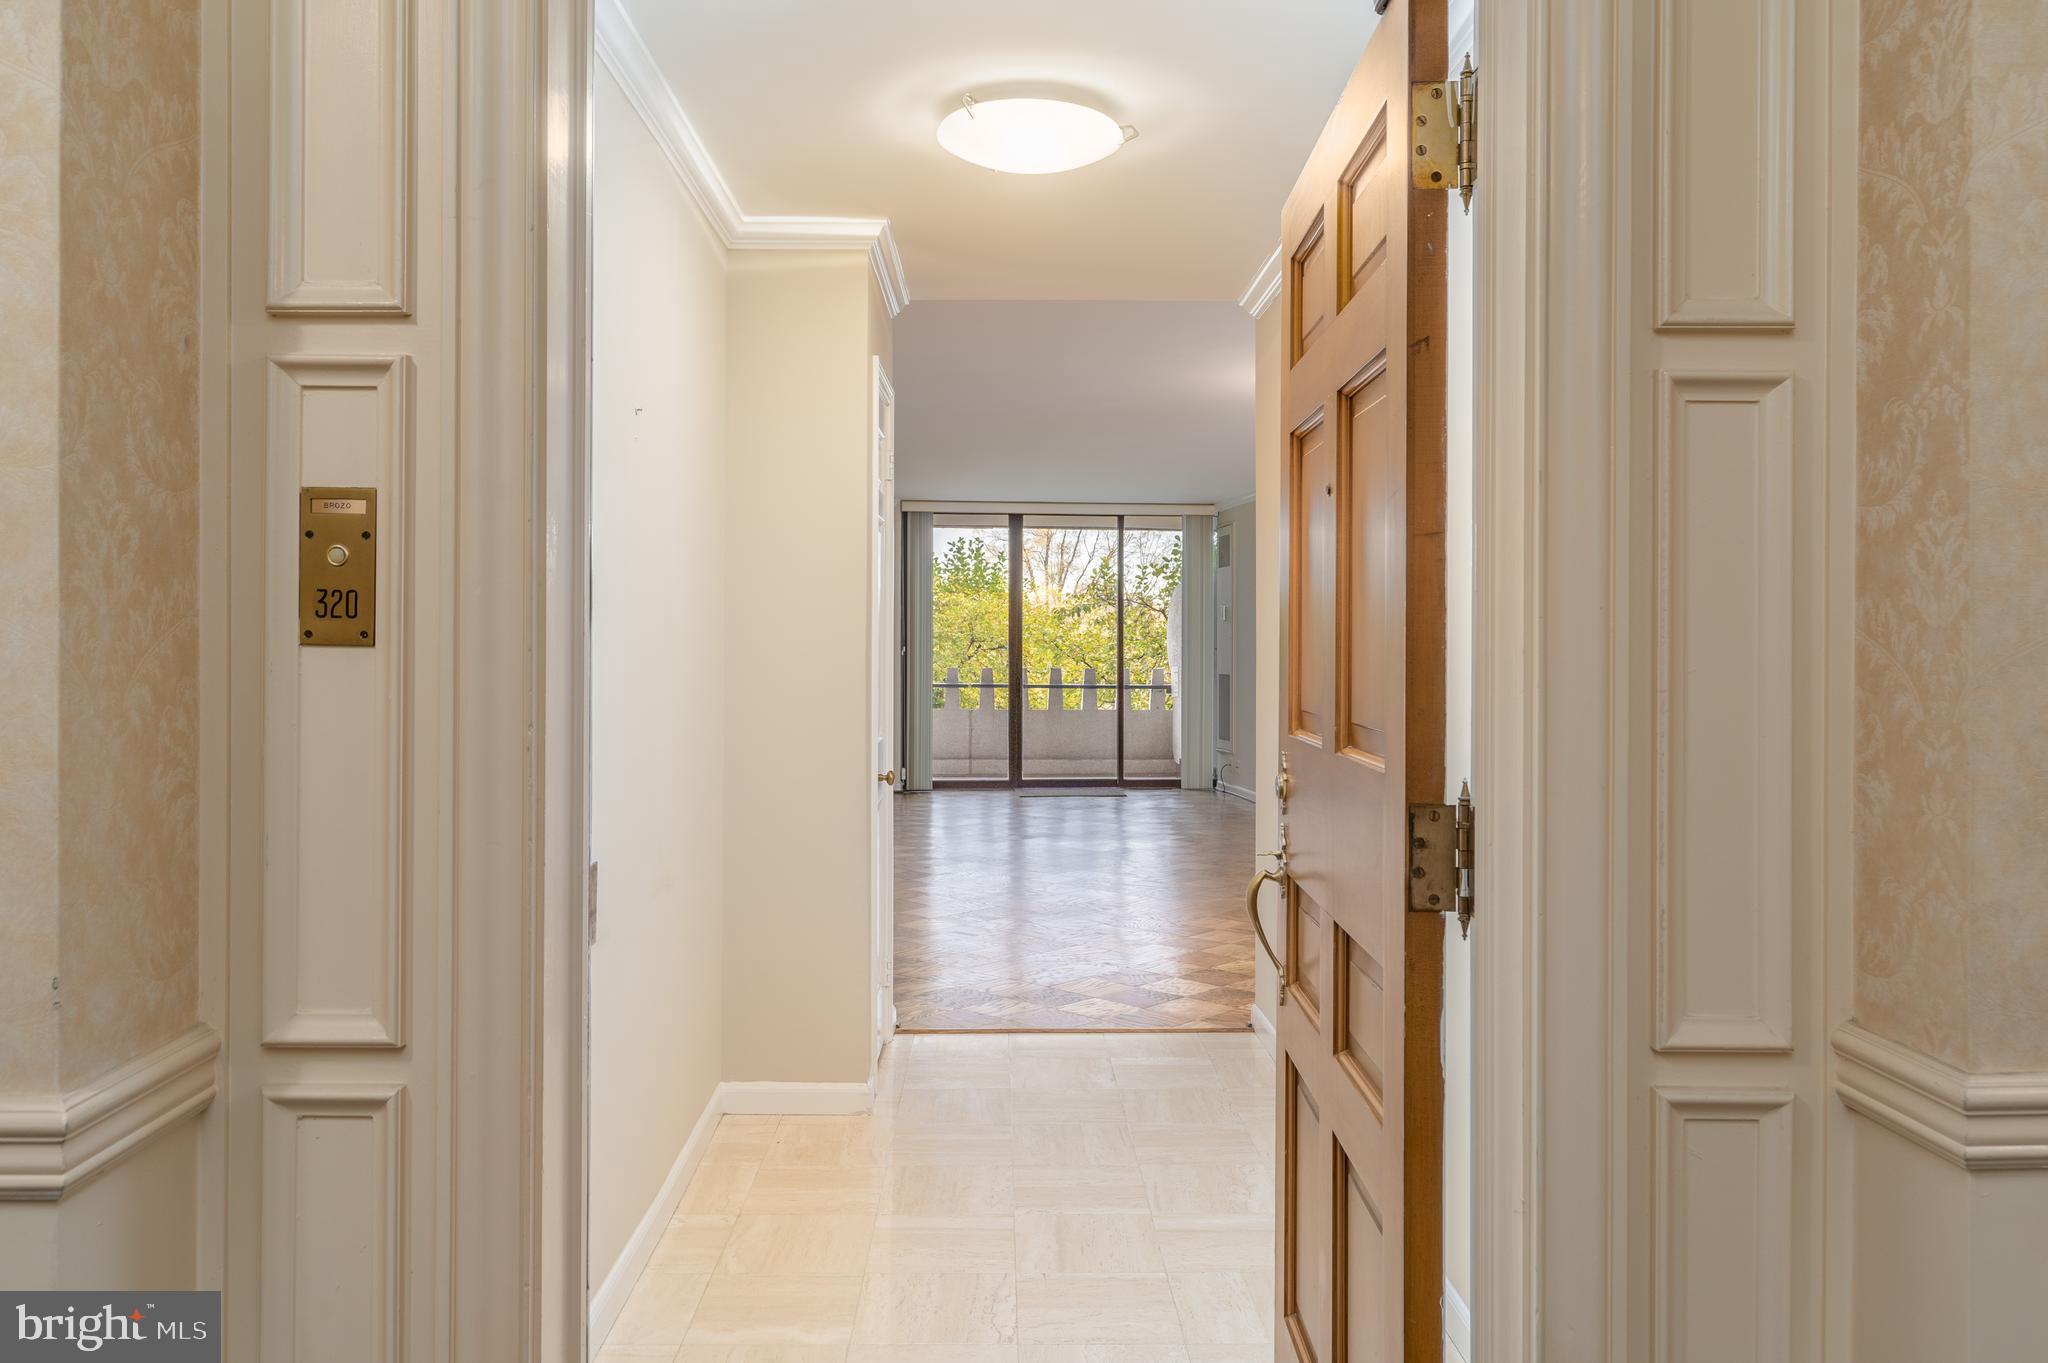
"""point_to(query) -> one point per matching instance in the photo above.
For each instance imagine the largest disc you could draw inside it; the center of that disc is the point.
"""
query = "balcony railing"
(1073, 735)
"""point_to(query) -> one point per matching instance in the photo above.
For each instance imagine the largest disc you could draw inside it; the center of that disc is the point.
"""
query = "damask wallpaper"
(1952, 531)
(99, 237)
(30, 76)
(129, 737)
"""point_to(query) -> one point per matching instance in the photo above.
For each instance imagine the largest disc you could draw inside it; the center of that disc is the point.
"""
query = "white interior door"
(882, 674)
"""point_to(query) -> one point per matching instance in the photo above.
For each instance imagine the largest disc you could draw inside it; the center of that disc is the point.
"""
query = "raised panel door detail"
(1362, 1241)
(1364, 208)
(1722, 786)
(340, 156)
(333, 1215)
(1723, 1234)
(1369, 576)
(336, 890)
(1311, 297)
(1361, 1022)
(1306, 940)
(1312, 605)
(1308, 1232)
(1724, 163)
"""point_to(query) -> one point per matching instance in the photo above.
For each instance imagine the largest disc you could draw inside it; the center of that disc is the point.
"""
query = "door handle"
(887, 778)
(1251, 908)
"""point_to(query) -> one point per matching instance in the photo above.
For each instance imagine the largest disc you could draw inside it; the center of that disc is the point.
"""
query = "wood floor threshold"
(1068, 1031)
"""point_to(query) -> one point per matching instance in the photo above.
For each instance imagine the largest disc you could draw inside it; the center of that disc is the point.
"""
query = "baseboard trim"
(1262, 1027)
(1239, 791)
(797, 1100)
(728, 1099)
(610, 1296)
(49, 1148)
(1457, 1322)
(1977, 1121)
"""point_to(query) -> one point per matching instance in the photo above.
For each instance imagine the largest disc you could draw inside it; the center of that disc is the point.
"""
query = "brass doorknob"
(1251, 908)
(887, 778)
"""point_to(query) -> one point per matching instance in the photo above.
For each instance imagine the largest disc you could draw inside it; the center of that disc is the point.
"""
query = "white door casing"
(341, 374)
(883, 672)
(378, 1182)
(1566, 1156)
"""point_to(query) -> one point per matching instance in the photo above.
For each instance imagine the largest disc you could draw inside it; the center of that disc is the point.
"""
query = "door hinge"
(1443, 118)
(1440, 859)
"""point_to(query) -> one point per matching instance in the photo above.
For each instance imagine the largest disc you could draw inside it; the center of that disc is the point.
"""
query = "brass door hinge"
(1440, 859)
(1443, 124)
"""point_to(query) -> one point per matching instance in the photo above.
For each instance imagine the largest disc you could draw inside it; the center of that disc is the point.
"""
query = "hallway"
(1072, 912)
(1014, 1199)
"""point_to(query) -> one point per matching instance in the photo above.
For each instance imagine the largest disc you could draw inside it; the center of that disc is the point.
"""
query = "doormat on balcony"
(1071, 790)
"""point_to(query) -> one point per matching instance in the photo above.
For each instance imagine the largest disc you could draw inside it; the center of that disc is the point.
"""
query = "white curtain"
(917, 652)
(1194, 661)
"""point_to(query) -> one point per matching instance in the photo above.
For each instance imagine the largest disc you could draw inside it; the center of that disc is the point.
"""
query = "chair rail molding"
(48, 1148)
(625, 55)
(1976, 1121)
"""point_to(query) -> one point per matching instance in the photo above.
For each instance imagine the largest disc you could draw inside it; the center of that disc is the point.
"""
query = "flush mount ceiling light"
(1030, 136)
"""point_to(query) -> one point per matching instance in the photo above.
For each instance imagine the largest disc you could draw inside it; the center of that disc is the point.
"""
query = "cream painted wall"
(1950, 1264)
(131, 1226)
(658, 737)
(1239, 767)
(797, 793)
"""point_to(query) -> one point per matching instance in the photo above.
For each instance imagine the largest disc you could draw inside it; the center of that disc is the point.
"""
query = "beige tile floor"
(1101, 1198)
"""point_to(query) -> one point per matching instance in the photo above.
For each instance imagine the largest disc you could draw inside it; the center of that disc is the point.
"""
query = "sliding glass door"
(1152, 648)
(972, 622)
(1076, 616)
(1070, 648)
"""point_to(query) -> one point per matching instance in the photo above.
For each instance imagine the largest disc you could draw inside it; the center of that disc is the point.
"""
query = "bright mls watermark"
(163, 1327)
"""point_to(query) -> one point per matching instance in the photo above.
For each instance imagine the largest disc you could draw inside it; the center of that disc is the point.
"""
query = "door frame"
(884, 702)
(1547, 1030)
(1550, 998)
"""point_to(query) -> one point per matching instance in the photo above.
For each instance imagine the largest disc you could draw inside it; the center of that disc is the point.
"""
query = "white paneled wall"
(340, 156)
(1722, 783)
(1729, 476)
(339, 920)
(1725, 118)
(336, 894)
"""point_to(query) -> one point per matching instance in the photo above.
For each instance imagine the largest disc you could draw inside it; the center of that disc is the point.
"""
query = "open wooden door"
(1362, 557)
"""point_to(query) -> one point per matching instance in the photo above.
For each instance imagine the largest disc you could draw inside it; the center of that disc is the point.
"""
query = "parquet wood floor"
(1016, 914)
(1011, 1199)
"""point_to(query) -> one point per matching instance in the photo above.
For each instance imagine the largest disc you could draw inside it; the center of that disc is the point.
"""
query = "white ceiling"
(1074, 401)
(829, 107)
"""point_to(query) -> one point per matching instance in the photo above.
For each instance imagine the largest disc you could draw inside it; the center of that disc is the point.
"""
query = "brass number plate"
(338, 566)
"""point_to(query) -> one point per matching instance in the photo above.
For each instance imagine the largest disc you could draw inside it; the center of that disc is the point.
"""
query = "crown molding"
(1977, 1121)
(625, 55)
(48, 1148)
(1264, 288)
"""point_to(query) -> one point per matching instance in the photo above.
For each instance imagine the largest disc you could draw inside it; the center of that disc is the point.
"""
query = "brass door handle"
(887, 778)
(1251, 909)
